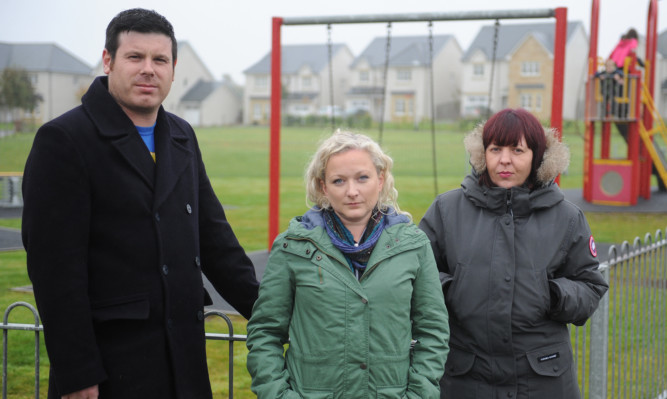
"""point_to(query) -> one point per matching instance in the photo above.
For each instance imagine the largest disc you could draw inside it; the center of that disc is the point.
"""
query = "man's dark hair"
(142, 21)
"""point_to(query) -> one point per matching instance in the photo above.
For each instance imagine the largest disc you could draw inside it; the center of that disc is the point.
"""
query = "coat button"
(170, 323)
(508, 278)
(364, 301)
(363, 366)
(165, 269)
(510, 394)
(284, 245)
(308, 252)
(555, 368)
(188, 208)
(197, 261)
(318, 257)
(157, 216)
(200, 315)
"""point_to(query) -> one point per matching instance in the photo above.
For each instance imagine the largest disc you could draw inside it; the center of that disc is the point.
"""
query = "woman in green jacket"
(352, 286)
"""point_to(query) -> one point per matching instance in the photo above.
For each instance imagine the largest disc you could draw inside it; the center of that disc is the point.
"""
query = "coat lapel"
(113, 124)
(133, 149)
(172, 157)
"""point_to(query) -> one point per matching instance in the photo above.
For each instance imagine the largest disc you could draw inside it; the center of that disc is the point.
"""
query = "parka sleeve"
(577, 286)
(268, 329)
(433, 225)
(430, 329)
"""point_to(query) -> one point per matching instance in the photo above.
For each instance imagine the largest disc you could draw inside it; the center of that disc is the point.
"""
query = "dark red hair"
(506, 128)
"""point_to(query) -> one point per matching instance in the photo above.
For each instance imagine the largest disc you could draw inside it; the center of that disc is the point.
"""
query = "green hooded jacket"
(348, 338)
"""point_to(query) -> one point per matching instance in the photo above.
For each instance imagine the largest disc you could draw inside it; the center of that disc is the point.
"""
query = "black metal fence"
(621, 352)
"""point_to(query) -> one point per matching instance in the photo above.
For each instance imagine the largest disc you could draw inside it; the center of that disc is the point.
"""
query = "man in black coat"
(119, 222)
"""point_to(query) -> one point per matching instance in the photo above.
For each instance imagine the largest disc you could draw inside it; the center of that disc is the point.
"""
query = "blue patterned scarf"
(356, 254)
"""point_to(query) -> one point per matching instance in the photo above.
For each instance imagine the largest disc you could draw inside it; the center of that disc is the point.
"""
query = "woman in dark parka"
(517, 264)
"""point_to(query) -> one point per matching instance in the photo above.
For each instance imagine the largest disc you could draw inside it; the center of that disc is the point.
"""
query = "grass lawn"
(237, 163)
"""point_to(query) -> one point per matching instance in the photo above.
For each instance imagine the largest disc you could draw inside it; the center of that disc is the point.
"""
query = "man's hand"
(88, 393)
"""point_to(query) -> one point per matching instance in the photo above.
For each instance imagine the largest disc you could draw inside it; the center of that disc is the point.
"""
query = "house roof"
(294, 57)
(202, 89)
(41, 57)
(403, 50)
(509, 35)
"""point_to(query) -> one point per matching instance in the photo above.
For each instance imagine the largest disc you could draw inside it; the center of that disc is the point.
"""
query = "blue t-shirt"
(148, 136)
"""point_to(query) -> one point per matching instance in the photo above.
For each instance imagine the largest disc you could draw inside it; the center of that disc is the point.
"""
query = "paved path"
(10, 239)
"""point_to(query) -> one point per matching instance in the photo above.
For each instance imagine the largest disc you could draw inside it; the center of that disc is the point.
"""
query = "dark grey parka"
(516, 266)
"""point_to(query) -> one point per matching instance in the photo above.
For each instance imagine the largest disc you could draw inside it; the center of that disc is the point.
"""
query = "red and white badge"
(592, 247)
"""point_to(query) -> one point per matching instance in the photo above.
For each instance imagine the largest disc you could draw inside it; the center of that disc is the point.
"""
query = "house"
(523, 70)
(405, 94)
(307, 87)
(58, 77)
(193, 80)
(189, 70)
(212, 103)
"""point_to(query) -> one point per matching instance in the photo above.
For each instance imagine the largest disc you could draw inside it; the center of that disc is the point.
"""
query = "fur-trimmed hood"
(554, 162)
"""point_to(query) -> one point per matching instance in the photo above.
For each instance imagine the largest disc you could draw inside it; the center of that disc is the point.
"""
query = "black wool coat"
(116, 246)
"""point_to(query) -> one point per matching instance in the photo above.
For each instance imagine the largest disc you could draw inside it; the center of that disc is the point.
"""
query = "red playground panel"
(611, 182)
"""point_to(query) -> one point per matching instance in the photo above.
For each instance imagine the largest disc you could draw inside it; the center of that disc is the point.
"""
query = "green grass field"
(237, 164)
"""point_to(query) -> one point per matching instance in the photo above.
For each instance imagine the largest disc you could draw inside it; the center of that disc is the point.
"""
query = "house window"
(476, 105)
(33, 78)
(526, 101)
(404, 74)
(261, 82)
(257, 112)
(364, 76)
(478, 70)
(530, 68)
(307, 81)
(400, 107)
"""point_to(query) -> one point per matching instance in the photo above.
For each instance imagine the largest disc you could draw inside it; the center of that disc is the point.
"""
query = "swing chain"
(493, 66)
(384, 85)
(331, 82)
(433, 149)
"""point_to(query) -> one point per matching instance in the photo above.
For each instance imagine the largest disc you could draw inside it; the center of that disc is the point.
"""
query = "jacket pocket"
(390, 392)
(459, 362)
(390, 371)
(317, 394)
(552, 360)
(132, 307)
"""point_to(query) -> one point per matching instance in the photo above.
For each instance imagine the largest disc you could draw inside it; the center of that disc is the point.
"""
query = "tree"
(17, 93)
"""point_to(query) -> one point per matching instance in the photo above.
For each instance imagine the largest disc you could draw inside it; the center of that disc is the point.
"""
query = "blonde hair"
(342, 141)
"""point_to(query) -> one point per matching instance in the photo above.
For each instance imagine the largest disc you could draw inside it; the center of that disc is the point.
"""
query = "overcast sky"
(230, 36)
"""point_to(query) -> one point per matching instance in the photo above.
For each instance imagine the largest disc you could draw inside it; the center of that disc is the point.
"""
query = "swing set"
(560, 15)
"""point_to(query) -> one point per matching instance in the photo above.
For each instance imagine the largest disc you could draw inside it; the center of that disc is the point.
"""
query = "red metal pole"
(649, 77)
(590, 95)
(274, 163)
(559, 72)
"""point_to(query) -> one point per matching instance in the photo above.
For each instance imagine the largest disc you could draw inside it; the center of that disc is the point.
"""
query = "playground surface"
(10, 239)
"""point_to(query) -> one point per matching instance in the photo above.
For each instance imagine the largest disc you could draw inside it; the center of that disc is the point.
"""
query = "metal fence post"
(599, 323)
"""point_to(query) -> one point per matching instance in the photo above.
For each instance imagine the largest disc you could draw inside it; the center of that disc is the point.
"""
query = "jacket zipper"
(509, 203)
